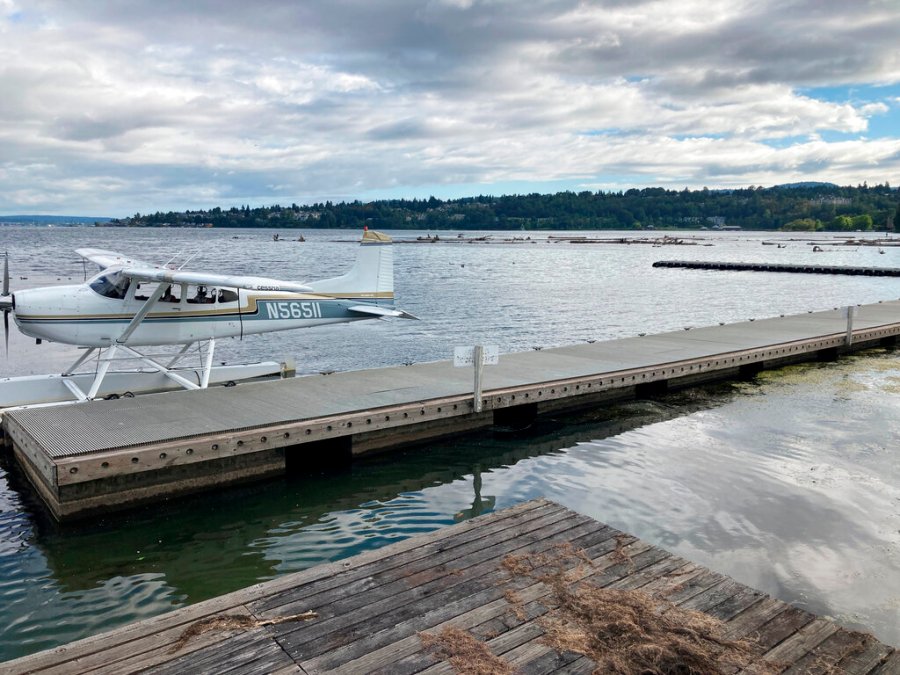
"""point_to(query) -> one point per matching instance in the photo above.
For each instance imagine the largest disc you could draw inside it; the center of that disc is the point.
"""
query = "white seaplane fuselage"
(130, 305)
(101, 312)
(97, 320)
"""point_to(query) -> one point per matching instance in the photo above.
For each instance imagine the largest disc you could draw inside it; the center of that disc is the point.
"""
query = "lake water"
(789, 483)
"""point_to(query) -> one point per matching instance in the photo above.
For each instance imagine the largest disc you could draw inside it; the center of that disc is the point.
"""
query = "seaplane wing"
(374, 310)
(106, 258)
(144, 271)
(209, 279)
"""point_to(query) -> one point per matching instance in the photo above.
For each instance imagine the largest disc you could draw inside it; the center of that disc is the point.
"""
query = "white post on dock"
(849, 312)
(478, 356)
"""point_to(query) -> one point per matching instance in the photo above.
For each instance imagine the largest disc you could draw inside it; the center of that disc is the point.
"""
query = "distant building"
(837, 201)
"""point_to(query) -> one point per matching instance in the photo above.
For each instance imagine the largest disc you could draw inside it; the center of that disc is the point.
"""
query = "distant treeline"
(794, 207)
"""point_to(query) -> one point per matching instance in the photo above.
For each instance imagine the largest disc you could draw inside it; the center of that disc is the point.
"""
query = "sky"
(113, 107)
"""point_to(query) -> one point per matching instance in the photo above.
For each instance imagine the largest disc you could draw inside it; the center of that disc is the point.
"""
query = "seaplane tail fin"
(371, 277)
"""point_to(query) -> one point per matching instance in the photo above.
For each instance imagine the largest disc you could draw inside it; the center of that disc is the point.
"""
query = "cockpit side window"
(113, 285)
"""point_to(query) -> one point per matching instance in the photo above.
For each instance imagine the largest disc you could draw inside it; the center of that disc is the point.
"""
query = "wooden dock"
(780, 267)
(372, 610)
(104, 455)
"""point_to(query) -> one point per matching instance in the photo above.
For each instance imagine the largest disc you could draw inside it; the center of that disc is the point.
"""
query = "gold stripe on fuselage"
(250, 308)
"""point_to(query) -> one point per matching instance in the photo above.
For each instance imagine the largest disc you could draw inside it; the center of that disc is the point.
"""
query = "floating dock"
(777, 267)
(104, 455)
(489, 578)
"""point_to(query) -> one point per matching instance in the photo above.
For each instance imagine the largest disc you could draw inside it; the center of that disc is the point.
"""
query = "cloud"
(158, 105)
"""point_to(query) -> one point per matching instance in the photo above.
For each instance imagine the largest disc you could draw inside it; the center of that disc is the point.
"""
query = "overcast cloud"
(107, 108)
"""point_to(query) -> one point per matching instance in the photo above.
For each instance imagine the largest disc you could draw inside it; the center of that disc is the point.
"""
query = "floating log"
(780, 267)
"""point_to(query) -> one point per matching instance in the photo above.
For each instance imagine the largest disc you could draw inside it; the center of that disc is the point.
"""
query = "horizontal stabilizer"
(373, 310)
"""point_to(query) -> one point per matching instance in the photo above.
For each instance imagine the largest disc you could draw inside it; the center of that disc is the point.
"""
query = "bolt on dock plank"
(371, 609)
(99, 456)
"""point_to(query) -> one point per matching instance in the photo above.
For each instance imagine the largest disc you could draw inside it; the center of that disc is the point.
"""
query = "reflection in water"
(479, 505)
(786, 483)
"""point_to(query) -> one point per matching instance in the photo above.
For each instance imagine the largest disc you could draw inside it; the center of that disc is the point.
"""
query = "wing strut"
(142, 313)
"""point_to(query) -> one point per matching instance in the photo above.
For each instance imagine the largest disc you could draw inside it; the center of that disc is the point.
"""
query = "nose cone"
(7, 302)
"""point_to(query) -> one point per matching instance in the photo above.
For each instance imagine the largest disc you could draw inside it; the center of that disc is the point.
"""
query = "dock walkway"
(99, 456)
(371, 610)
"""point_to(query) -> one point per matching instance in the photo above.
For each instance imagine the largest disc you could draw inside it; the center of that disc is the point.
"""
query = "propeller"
(5, 300)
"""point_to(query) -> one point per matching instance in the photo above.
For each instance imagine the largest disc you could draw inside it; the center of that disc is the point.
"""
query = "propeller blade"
(6, 293)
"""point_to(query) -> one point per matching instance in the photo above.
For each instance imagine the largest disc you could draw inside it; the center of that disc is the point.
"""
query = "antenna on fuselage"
(191, 257)
(169, 261)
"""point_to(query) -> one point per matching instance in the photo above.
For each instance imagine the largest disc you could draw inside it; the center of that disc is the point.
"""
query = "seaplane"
(129, 306)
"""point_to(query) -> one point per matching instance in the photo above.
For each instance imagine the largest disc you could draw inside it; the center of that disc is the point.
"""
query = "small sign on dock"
(478, 356)
(465, 356)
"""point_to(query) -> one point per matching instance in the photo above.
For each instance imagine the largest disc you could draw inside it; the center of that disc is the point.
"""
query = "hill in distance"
(53, 220)
(806, 184)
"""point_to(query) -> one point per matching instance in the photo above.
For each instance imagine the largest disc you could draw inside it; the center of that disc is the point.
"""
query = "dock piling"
(479, 373)
(850, 312)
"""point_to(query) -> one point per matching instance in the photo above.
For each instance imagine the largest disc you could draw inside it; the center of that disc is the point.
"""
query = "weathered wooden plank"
(890, 666)
(737, 603)
(793, 647)
(706, 600)
(650, 573)
(536, 657)
(694, 586)
(748, 622)
(867, 658)
(671, 581)
(826, 655)
(580, 666)
(516, 637)
(144, 651)
(292, 669)
(263, 664)
(243, 647)
(548, 662)
(528, 658)
(639, 556)
(781, 627)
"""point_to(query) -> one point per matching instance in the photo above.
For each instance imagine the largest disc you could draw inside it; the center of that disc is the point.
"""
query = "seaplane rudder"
(372, 276)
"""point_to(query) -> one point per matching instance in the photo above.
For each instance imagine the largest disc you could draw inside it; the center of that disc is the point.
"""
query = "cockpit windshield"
(113, 285)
